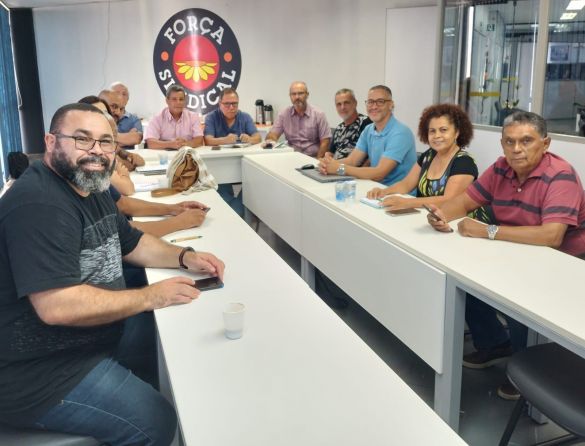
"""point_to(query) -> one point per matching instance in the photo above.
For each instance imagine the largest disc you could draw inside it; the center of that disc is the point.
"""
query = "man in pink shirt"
(175, 126)
(537, 198)
(305, 128)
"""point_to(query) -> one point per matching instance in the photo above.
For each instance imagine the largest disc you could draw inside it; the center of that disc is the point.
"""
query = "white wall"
(328, 43)
(411, 31)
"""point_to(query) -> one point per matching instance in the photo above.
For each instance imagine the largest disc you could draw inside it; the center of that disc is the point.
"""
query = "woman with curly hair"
(441, 172)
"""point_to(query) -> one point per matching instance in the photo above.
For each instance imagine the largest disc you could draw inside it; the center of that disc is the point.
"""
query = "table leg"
(308, 272)
(448, 383)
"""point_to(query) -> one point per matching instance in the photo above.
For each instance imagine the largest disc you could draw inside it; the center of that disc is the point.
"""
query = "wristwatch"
(492, 230)
(183, 252)
(341, 169)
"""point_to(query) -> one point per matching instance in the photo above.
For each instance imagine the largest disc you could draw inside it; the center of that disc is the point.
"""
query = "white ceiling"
(46, 3)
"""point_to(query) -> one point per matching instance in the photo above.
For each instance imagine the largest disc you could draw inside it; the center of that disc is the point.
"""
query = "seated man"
(537, 198)
(387, 143)
(347, 133)
(130, 132)
(175, 126)
(62, 293)
(228, 125)
(128, 122)
(305, 128)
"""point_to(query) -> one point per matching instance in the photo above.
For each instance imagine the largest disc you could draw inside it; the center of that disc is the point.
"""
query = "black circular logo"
(197, 49)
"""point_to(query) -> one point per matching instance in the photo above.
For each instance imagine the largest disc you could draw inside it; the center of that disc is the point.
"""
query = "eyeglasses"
(86, 143)
(378, 102)
(230, 104)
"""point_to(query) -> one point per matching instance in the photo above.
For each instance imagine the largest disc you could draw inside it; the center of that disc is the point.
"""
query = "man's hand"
(174, 291)
(328, 165)
(176, 209)
(439, 224)
(245, 137)
(376, 192)
(232, 138)
(468, 227)
(190, 218)
(204, 262)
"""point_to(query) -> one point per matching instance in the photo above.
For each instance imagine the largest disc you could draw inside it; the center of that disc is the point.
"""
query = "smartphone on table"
(208, 283)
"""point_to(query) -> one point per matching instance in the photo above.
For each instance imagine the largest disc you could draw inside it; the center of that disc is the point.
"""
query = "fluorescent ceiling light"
(568, 16)
(576, 5)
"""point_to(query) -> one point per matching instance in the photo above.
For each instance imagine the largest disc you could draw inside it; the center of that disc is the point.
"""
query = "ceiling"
(46, 3)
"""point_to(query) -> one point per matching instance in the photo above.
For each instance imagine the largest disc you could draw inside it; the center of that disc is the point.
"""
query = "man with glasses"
(387, 143)
(537, 198)
(175, 126)
(130, 132)
(229, 125)
(305, 128)
(65, 365)
(127, 122)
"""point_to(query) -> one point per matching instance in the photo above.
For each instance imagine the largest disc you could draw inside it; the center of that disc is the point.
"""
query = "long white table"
(224, 164)
(422, 301)
(298, 376)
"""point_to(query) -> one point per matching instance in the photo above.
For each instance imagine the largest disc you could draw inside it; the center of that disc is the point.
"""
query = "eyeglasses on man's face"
(86, 143)
(230, 104)
(378, 102)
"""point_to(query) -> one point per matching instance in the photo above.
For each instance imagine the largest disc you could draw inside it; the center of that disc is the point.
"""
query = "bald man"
(305, 128)
(129, 126)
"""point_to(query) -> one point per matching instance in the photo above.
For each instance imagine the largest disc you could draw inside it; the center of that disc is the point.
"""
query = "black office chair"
(552, 379)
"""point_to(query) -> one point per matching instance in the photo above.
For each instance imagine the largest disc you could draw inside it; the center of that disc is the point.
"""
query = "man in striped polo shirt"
(537, 198)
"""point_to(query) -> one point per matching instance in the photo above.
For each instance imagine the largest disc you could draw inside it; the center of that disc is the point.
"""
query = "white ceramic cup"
(233, 319)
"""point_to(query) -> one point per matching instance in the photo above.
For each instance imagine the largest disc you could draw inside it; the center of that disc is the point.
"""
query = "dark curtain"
(9, 119)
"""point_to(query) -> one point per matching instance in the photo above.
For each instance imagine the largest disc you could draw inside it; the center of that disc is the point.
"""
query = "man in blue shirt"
(129, 125)
(228, 125)
(388, 144)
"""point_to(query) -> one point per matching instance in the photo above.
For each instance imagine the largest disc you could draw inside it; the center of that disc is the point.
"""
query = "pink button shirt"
(165, 128)
(304, 132)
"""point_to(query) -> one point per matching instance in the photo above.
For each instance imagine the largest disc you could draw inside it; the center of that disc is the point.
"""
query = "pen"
(184, 239)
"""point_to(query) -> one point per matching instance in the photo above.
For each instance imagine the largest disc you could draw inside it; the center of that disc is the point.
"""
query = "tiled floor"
(483, 414)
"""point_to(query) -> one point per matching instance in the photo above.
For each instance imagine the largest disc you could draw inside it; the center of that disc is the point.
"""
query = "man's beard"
(85, 180)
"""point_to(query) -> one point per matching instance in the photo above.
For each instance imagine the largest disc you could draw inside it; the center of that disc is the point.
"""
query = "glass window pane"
(496, 57)
(564, 88)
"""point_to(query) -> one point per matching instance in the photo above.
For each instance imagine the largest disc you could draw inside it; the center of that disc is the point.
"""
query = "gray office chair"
(552, 379)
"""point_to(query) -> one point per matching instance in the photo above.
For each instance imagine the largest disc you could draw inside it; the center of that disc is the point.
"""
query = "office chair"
(551, 378)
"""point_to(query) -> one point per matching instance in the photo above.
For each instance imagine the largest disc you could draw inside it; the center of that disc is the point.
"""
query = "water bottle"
(259, 111)
(340, 191)
(350, 190)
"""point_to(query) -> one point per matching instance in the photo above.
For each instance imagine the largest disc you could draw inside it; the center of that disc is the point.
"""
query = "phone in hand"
(209, 283)
(206, 210)
(435, 216)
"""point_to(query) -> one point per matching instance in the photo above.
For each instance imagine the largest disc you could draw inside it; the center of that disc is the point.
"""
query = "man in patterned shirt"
(347, 133)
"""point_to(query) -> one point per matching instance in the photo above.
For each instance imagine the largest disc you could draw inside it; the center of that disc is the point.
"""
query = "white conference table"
(298, 376)
(538, 286)
(224, 164)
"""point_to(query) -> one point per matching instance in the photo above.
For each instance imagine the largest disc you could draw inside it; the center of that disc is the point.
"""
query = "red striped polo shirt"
(552, 193)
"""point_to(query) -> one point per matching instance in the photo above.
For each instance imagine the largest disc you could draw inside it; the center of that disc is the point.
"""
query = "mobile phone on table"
(206, 210)
(395, 212)
(209, 283)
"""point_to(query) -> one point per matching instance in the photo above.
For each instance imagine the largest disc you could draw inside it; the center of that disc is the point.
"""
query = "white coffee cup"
(233, 319)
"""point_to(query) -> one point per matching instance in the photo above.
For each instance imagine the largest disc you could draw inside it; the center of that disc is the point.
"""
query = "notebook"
(315, 175)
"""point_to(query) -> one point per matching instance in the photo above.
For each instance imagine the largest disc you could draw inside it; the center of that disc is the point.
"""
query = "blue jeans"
(486, 329)
(111, 403)
(226, 191)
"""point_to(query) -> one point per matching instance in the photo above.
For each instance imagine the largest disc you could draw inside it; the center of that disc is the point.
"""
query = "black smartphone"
(403, 211)
(206, 210)
(209, 283)
(268, 145)
(430, 211)
(308, 167)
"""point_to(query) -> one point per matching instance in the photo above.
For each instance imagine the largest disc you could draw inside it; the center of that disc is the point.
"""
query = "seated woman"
(444, 170)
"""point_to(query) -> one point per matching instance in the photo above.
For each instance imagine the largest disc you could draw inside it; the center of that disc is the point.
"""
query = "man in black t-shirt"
(62, 294)
(347, 133)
